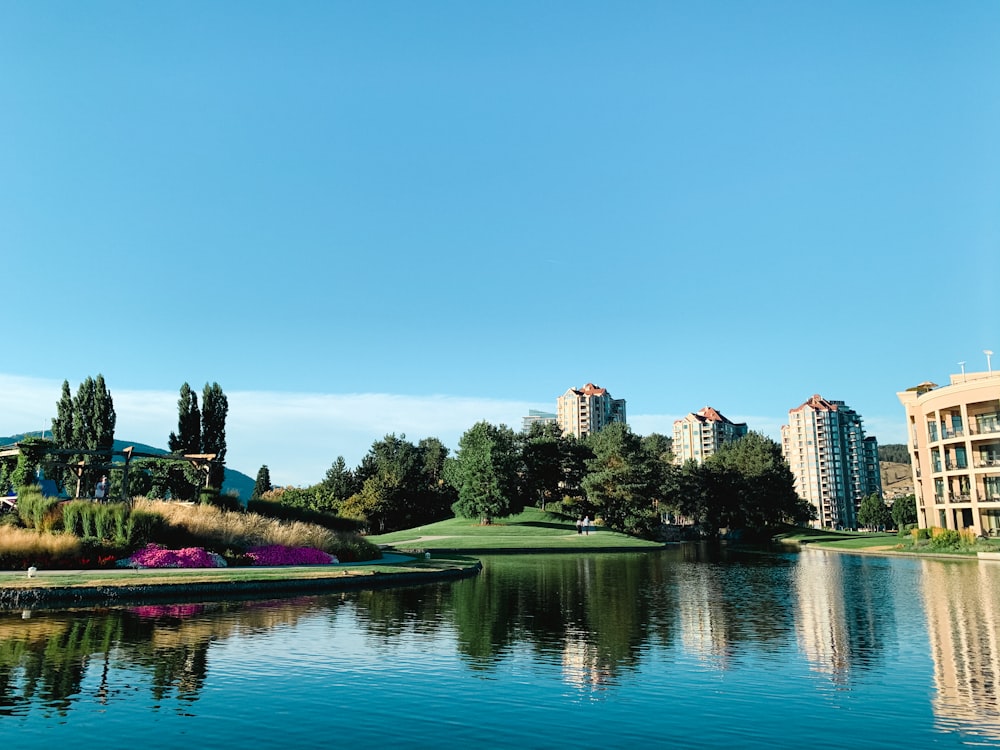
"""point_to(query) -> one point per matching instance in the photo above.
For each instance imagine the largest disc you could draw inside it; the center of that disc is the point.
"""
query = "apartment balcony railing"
(990, 428)
(955, 464)
(956, 497)
(948, 434)
(986, 462)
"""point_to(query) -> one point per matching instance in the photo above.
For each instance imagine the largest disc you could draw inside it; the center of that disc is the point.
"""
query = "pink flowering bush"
(276, 554)
(156, 556)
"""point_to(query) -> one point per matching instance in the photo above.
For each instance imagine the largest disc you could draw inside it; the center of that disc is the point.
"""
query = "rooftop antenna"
(962, 365)
(989, 366)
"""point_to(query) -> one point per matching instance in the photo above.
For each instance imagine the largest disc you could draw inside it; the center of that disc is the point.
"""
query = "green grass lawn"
(879, 542)
(531, 530)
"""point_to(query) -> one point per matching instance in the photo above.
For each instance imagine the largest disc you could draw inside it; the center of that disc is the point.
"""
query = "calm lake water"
(688, 647)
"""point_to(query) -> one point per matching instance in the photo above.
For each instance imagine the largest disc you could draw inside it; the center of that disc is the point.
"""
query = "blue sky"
(363, 218)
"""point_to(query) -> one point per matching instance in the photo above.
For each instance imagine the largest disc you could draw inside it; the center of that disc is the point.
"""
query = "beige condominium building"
(698, 436)
(834, 464)
(953, 433)
(582, 411)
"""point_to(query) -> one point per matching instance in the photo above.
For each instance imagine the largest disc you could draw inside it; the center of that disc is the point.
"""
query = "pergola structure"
(200, 461)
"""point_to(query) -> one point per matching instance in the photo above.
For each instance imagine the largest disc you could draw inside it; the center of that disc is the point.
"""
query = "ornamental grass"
(213, 527)
(23, 547)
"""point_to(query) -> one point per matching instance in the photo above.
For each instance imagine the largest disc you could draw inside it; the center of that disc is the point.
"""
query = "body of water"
(693, 646)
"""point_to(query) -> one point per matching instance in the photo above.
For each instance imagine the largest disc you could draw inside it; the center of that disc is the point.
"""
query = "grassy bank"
(884, 542)
(60, 587)
(531, 531)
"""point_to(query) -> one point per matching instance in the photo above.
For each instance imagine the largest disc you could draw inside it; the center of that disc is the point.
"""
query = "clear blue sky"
(362, 218)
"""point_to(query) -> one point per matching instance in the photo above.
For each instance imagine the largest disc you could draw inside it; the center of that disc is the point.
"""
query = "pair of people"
(583, 527)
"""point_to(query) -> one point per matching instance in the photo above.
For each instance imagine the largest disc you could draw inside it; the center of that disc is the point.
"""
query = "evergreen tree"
(751, 484)
(622, 481)
(263, 483)
(484, 472)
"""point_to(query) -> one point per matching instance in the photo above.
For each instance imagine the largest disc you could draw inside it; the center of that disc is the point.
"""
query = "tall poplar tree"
(187, 439)
(62, 436)
(214, 409)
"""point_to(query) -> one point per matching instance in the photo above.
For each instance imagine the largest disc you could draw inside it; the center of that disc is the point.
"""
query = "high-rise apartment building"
(536, 416)
(835, 466)
(953, 433)
(582, 411)
(698, 436)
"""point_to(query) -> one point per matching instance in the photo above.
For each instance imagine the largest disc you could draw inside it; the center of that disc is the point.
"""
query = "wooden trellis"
(200, 461)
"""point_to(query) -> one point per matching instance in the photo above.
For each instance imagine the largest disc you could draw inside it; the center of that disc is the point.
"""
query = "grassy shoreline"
(182, 584)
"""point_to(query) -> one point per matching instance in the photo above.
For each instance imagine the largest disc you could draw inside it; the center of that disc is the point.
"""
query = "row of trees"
(629, 481)
(873, 513)
(82, 445)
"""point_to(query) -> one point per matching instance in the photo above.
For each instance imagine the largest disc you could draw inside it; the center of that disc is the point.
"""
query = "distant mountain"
(234, 480)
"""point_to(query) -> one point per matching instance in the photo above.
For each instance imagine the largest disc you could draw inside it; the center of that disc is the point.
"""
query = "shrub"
(37, 511)
(142, 527)
(946, 539)
(156, 556)
(272, 509)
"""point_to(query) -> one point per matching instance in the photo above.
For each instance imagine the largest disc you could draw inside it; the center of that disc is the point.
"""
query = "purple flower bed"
(155, 556)
(275, 554)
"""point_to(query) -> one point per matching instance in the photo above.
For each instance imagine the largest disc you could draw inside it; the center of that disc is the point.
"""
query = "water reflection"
(603, 624)
(845, 611)
(963, 624)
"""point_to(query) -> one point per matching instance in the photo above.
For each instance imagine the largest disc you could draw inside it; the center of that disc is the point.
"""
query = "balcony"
(948, 434)
(985, 462)
(952, 463)
(959, 497)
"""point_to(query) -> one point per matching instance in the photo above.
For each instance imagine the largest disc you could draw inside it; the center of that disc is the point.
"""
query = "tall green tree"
(338, 484)
(873, 513)
(62, 437)
(262, 484)
(187, 439)
(904, 511)
(400, 484)
(84, 422)
(484, 472)
(543, 459)
(622, 480)
(214, 409)
(750, 485)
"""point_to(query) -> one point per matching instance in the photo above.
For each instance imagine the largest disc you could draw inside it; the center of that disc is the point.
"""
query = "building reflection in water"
(821, 624)
(963, 615)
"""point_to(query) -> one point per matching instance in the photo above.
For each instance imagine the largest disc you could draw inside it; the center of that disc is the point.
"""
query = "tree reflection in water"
(595, 616)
